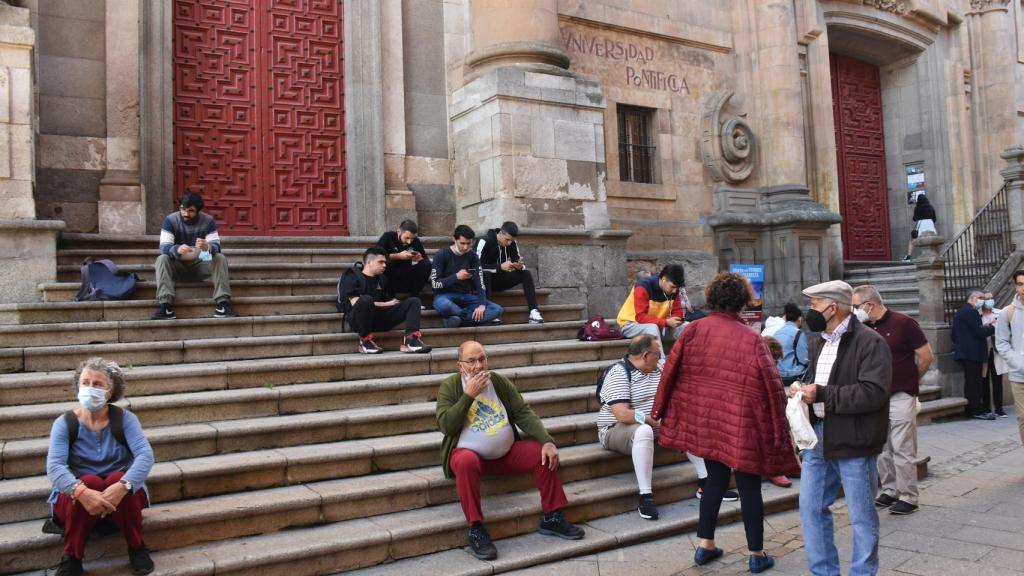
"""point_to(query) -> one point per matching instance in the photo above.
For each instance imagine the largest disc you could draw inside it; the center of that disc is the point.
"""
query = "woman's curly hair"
(728, 292)
(115, 376)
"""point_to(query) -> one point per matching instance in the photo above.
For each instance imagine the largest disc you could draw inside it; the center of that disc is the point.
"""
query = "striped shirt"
(637, 391)
(175, 231)
(826, 359)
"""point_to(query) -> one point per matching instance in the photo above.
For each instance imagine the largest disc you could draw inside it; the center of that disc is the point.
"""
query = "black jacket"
(390, 242)
(354, 283)
(492, 254)
(970, 337)
(857, 395)
(923, 209)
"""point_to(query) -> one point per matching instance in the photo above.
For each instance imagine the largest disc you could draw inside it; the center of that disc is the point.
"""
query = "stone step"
(194, 350)
(940, 409)
(146, 290)
(97, 242)
(323, 531)
(125, 331)
(35, 388)
(27, 421)
(24, 498)
(927, 393)
(235, 255)
(199, 305)
(254, 270)
(618, 531)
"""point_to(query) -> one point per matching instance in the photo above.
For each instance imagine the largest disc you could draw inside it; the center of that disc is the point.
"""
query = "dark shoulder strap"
(117, 426)
(628, 367)
(71, 422)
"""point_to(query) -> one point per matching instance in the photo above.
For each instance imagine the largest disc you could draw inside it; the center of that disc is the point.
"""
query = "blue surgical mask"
(979, 304)
(990, 304)
(92, 398)
(205, 256)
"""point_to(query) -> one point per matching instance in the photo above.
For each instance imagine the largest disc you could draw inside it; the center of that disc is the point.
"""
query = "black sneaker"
(140, 560)
(413, 344)
(69, 566)
(702, 556)
(555, 524)
(1000, 414)
(224, 310)
(647, 509)
(902, 508)
(884, 500)
(984, 416)
(368, 346)
(163, 312)
(480, 544)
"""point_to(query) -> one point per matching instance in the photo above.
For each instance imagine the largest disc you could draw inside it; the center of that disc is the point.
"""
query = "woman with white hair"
(98, 461)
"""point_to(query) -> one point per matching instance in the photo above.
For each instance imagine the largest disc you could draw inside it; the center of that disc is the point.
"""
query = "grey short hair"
(640, 344)
(868, 293)
(113, 372)
(975, 292)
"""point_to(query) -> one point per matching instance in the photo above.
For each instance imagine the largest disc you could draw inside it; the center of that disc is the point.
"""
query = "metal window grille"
(636, 145)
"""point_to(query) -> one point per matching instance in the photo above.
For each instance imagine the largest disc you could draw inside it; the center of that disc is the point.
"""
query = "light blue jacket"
(1010, 339)
(793, 362)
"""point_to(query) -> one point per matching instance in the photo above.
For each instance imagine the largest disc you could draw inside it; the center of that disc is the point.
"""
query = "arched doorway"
(258, 110)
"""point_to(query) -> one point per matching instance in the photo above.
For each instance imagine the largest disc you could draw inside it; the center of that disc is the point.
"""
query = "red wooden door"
(259, 113)
(860, 144)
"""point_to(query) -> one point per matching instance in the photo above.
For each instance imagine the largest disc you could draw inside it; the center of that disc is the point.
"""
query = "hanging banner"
(752, 314)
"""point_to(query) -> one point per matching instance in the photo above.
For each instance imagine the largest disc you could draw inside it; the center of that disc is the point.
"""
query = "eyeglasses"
(475, 361)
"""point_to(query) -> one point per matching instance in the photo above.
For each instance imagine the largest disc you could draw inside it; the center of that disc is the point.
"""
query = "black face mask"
(816, 321)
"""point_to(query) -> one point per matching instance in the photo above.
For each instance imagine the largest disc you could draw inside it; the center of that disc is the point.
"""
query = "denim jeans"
(819, 485)
(462, 305)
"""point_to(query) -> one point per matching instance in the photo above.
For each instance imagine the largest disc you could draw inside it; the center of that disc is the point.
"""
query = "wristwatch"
(126, 483)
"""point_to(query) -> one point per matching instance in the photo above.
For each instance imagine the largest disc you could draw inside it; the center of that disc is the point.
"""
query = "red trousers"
(524, 456)
(78, 523)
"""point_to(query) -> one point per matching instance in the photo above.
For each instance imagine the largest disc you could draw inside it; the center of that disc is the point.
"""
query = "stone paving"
(971, 520)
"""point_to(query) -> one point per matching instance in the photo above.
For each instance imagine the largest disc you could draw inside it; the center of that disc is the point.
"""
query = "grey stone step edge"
(35, 420)
(129, 331)
(32, 388)
(198, 350)
(368, 541)
(73, 240)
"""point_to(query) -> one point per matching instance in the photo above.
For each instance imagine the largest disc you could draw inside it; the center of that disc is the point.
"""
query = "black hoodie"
(492, 254)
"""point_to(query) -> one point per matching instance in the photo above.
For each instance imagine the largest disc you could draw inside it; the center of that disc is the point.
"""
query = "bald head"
(469, 348)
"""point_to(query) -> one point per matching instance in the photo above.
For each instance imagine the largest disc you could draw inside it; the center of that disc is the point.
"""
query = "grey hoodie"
(1010, 339)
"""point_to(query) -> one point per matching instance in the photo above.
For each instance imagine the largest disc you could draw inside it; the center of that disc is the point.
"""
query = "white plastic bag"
(800, 423)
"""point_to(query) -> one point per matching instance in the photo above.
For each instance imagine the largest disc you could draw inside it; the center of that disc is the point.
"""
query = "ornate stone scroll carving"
(895, 6)
(986, 4)
(727, 144)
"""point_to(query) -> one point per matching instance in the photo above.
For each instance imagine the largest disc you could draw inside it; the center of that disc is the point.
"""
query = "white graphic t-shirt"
(486, 431)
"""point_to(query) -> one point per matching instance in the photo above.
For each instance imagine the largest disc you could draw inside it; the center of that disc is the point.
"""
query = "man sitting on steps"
(460, 296)
(190, 250)
(369, 304)
(503, 265)
(408, 265)
(478, 412)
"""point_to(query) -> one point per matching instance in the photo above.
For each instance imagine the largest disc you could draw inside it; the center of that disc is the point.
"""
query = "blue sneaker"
(702, 556)
(758, 564)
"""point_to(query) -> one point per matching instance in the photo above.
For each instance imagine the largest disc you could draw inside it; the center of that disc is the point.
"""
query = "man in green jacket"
(478, 412)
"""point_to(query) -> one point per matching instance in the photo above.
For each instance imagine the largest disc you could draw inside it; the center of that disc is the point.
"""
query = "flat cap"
(836, 290)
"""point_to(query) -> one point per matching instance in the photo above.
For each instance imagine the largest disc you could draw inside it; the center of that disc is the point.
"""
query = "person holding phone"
(408, 266)
(503, 265)
(460, 296)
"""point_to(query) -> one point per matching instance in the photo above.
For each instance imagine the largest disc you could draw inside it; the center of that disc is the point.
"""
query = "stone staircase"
(279, 449)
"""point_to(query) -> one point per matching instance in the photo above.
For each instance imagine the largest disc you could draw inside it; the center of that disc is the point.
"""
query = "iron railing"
(977, 253)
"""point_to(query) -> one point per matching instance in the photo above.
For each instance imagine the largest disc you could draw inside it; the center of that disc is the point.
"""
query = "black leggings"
(500, 281)
(366, 317)
(972, 387)
(751, 504)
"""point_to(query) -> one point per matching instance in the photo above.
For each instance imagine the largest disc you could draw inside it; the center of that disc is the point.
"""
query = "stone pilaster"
(930, 276)
(29, 256)
(528, 136)
(1013, 177)
(122, 202)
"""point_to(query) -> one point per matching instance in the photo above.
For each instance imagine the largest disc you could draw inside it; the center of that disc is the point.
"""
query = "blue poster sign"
(754, 273)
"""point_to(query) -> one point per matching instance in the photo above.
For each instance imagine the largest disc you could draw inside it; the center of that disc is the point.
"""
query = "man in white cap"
(850, 371)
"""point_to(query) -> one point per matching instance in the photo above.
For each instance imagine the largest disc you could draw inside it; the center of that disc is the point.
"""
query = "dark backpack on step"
(597, 329)
(101, 280)
(626, 365)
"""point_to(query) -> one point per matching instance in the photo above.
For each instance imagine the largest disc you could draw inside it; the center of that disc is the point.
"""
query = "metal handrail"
(977, 252)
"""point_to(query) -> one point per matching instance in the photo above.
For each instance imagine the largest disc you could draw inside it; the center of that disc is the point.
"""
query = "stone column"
(122, 202)
(1013, 176)
(780, 109)
(528, 136)
(399, 202)
(994, 93)
(930, 276)
(29, 256)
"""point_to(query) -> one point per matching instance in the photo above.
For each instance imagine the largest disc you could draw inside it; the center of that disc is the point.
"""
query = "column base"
(29, 258)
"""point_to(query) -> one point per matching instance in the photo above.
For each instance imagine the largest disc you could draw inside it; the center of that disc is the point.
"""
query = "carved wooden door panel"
(860, 146)
(259, 113)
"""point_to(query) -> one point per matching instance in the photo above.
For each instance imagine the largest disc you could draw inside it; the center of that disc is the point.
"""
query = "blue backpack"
(101, 280)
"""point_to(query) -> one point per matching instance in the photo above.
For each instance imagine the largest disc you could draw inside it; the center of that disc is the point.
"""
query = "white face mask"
(92, 398)
(861, 315)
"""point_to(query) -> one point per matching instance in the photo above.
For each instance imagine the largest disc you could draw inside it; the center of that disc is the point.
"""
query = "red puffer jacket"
(721, 398)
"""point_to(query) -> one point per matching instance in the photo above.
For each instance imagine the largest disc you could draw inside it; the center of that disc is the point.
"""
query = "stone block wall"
(16, 150)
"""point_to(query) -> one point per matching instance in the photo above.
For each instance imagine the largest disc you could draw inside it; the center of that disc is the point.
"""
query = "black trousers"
(751, 503)
(991, 396)
(365, 317)
(972, 387)
(408, 278)
(500, 281)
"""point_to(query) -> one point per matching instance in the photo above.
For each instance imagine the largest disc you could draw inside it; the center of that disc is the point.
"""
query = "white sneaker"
(535, 317)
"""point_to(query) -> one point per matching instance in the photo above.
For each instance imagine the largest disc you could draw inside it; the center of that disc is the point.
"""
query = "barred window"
(636, 144)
